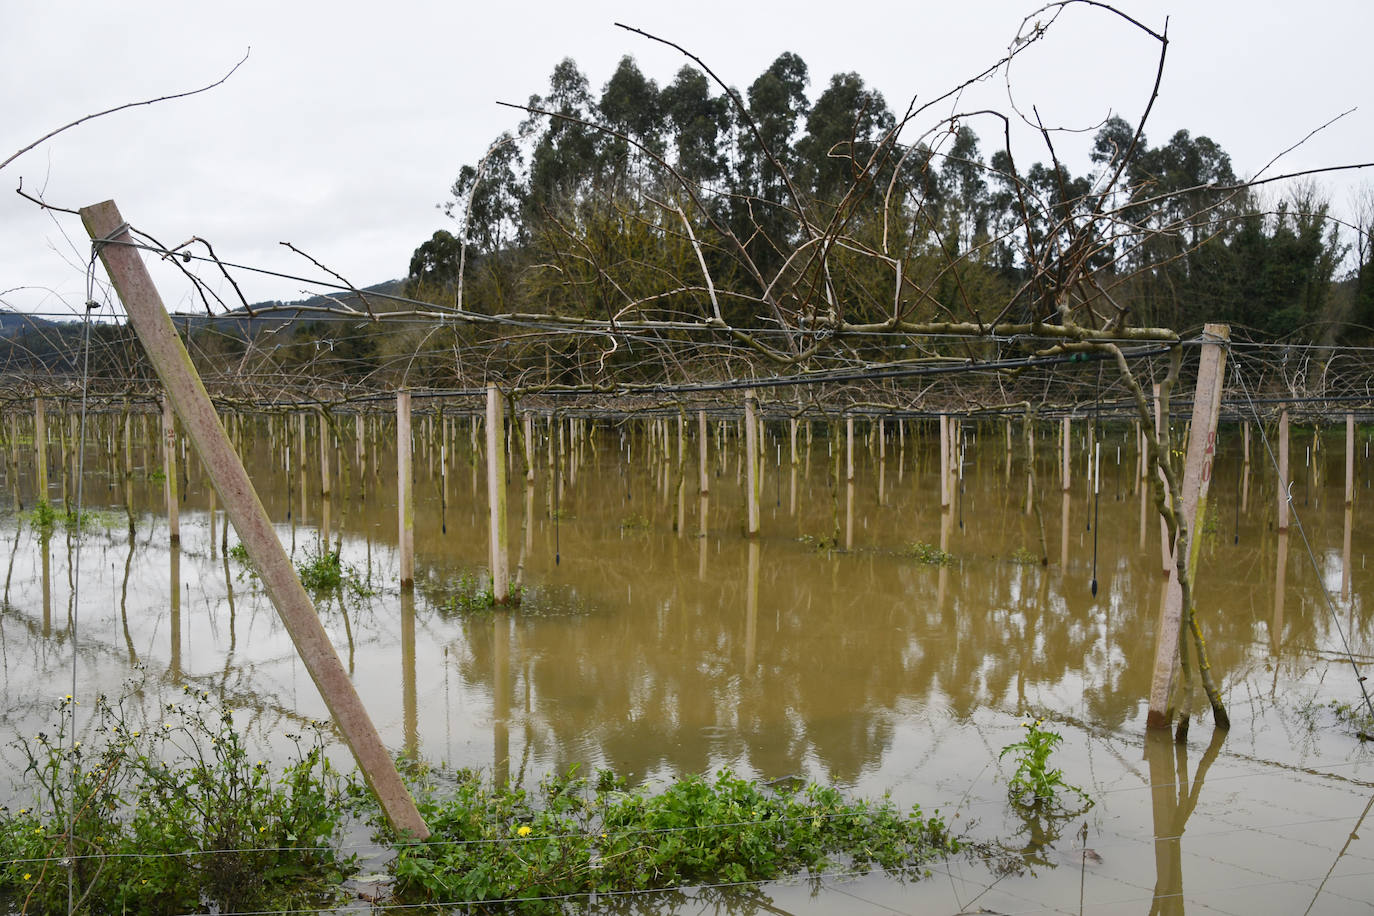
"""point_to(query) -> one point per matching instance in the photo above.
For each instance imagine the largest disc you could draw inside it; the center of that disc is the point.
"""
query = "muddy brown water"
(649, 648)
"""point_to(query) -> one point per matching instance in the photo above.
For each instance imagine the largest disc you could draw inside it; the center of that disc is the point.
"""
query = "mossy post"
(496, 495)
(1197, 476)
(405, 491)
(187, 394)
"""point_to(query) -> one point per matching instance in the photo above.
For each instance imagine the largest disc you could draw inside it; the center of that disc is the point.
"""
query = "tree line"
(571, 211)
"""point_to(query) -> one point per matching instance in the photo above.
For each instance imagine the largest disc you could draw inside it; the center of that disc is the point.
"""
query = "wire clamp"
(97, 245)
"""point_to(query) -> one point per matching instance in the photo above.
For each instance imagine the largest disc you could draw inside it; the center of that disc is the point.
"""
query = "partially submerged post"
(1283, 471)
(496, 495)
(187, 395)
(405, 492)
(751, 447)
(40, 442)
(1197, 475)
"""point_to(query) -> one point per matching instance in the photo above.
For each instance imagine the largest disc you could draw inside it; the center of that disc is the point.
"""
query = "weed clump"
(575, 837)
(170, 816)
(928, 554)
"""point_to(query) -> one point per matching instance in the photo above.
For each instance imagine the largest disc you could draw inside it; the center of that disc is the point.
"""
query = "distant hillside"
(299, 309)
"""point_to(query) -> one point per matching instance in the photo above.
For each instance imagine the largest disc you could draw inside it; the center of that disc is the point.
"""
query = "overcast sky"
(349, 120)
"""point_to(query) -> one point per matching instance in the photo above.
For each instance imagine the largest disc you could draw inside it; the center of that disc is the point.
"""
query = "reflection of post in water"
(1173, 800)
(46, 549)
(1345, 553)
(1064, 534)
(174, 666)
(500, 697)
(701, 537)
(751, 610)
(409, 705)
(228, 598)
(942, 577)
(792, 434)
(1280, 586)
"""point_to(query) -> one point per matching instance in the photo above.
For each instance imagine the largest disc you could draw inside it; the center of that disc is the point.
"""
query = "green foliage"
(170, 816)
(1036, 785)
(43, 516)
(1023, 557)
(820, 542)
(928, 554)
(1355, 717)
(572, 837)
(239, 553)
(634, 523)
(473, 596)
(323, 571)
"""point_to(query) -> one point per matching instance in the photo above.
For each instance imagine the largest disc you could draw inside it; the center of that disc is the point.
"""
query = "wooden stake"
(405, 491)
(184, 389)
(496, 495)
(1283, 471)
(40, 442)
(1065, 435)
(751, 447)
(1349, 459)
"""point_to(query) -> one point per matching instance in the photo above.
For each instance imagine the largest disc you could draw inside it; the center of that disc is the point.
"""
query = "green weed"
(572, 837)
(1036, 785)
(822, 542)
(170, 816)
(634, 523)
(472, 596)
(323, 571)
(928, 554)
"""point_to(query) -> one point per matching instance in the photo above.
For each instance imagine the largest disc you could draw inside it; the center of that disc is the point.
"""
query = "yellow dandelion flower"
(525, 830)
(27, 876)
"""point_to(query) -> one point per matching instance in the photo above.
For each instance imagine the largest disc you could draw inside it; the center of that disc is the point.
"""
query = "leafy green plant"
(239, 554)
(634, 523)
(323, 571)
(169, 817)
(574, 837)
(929, 554)
(1035, 784)
(43, 516)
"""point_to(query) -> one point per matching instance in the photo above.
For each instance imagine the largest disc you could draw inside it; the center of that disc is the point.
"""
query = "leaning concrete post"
(184, 389)
(1197, 475)
(496, 495)
(751, 459)
(405, 491)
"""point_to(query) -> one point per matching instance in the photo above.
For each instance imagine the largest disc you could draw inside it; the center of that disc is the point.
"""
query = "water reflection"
(1173, 800)
(632, 653)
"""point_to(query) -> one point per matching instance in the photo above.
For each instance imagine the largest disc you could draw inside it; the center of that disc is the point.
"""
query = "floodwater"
(656, 639)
